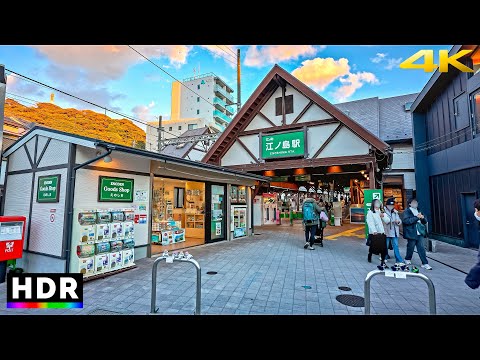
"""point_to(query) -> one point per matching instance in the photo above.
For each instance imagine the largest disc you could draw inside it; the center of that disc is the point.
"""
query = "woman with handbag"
(376, 234)
(414, 230)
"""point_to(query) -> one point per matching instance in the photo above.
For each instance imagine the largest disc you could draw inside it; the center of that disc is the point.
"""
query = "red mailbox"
(12, 235)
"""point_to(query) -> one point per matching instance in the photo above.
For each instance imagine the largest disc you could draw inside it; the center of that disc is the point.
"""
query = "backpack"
(309, 213)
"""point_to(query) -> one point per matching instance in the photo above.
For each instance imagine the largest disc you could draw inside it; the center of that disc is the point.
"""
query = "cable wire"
(229, 54)
(233, 52)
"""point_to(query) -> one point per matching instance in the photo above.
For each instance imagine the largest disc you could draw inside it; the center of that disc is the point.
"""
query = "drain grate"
(212, 273)
(351, 300)
(345, 288)
(107, 312)
(306, 287)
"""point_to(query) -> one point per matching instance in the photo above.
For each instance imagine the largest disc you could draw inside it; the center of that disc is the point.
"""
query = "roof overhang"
(437, 82)
(93, 143)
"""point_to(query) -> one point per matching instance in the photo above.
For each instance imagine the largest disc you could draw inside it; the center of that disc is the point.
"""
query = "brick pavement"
(265, 274)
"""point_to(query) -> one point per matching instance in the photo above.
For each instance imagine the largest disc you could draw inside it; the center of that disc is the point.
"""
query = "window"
(476, 110)
(198, 98)
(476, 61)
(198, 112)
(288, 105)
(198, 87)
(170, 128)
(460, 112)
(180, 128)
(408, 105)
(192, 126)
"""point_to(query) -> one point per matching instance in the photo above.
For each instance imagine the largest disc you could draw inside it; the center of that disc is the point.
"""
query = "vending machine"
(239, 220)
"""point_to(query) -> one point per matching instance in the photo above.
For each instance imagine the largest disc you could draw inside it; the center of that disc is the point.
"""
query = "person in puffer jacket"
(473, 277)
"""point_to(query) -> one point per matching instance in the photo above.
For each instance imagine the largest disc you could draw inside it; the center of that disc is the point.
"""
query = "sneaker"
(426, 267)
(408, 262)
(311, 248)
(306, 245)
(400, 264)
(382, 267)
(165, 253)
(415, 269)
(188, 255)
(321, 244)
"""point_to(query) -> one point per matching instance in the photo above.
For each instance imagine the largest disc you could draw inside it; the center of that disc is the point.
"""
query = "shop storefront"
(94, 207)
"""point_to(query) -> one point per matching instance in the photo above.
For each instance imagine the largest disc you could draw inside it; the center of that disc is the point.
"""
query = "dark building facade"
(446, 126)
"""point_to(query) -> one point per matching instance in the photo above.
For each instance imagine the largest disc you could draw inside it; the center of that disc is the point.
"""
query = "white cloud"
(393, 63)
(106, 62)
(259, 56)
(352, 82)
(227, 52)
(389, 63)
(378, 58)
(143, 111)
(25, 88)
(318, 73)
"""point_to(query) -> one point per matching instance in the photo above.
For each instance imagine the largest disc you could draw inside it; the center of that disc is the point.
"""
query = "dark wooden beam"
(302, 112)
(267, 119)
(324, 145)
(288, 127)
(248, 150)
(298, 163)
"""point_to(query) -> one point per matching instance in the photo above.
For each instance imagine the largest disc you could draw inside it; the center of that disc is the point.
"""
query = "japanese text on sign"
(283, 145)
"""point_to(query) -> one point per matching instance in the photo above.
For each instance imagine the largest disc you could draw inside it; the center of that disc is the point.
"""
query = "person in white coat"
(375, 226)
(392, 221)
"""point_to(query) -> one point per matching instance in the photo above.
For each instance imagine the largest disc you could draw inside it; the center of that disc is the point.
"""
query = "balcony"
(219, 115)
(219, 103)
(222, 92)
(230, 110)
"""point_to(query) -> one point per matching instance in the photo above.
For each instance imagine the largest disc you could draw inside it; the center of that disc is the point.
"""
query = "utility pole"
(239, 98)
(3, 87)
(159, 133)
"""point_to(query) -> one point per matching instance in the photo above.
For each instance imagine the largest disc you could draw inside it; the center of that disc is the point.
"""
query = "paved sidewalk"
(265, 274)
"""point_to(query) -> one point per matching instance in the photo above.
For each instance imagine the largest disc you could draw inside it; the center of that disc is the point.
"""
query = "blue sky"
(116, 77)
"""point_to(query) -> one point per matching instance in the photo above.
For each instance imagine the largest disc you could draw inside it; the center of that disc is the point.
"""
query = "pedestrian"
(473, 277)
(375, 227)
(392, 222)
(414, 230)
(311, 213)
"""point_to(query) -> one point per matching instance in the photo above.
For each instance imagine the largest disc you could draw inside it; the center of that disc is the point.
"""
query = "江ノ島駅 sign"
(48, 188)
(282, 145)
(115, 189)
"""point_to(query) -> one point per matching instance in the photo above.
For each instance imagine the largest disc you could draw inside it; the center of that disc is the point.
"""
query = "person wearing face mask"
(414, 230)
(392, 223)
(473, 277)
(375, 226)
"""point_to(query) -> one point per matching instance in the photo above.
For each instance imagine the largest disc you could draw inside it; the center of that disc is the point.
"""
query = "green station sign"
(112, 189)
(48, 189)
(280, 178)
(307, 177)
(288, 144)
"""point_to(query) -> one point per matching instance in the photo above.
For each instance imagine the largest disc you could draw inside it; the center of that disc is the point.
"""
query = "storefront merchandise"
(103, 240)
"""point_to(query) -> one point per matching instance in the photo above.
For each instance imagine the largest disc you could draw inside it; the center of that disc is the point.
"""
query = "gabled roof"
(182, 152)
(262, 93)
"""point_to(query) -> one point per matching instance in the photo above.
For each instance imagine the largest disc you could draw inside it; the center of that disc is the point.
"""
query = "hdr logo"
(44, 291)
(9, 247)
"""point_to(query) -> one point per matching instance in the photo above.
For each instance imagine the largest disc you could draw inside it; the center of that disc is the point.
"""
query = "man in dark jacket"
(473, 277)
(413, 219)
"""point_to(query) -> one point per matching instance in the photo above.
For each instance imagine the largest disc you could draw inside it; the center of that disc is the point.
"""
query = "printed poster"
(141, 195)
(218, 228)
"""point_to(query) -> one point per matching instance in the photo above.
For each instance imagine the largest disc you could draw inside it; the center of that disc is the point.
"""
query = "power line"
(226, 52)
(166, 72)
(20, 76)
(429, 147)
(226, 47)
(440, 137)
(220, 55)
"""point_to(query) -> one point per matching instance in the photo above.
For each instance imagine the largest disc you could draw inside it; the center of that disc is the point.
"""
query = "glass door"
(217, 213)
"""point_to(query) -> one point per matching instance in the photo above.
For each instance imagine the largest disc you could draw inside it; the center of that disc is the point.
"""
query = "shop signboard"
(280, 178)
(282, 145)
(303, 177)
(48, 188)
(368, 196)
(113, 189)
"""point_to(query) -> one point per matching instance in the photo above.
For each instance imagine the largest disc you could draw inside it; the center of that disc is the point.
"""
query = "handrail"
(198, 300)
(431, 289)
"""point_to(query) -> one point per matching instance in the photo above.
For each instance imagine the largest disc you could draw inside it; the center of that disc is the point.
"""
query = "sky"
(120, 79)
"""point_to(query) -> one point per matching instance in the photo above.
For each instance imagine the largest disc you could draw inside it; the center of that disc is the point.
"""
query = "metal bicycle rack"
(198, 300)
(431, 289)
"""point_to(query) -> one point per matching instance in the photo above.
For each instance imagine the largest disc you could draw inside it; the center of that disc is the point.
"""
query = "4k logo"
(443, 59)
(9, 247)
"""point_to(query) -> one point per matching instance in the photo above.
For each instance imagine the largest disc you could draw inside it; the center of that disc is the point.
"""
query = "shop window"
(178, 197)
(288, 105)
(460, 111)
